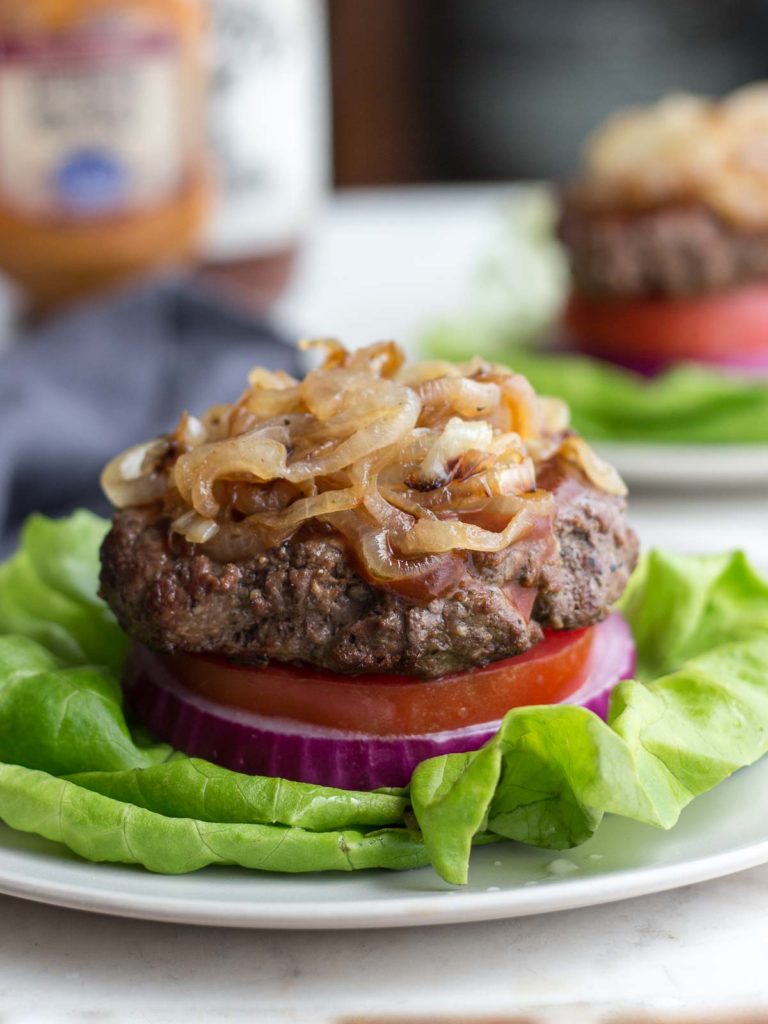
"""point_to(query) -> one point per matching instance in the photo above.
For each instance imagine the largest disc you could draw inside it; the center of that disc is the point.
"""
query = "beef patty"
(672, 251)
(305, 601)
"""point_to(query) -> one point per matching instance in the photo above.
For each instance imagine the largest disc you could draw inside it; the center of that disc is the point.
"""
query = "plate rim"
(750, 447)
(695, 467)
(452, 906)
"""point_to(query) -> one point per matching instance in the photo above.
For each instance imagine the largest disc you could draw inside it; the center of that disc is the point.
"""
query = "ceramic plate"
(719, 833)
(678, 465)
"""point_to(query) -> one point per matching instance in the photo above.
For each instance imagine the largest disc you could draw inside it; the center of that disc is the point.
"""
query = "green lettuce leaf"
(680, 607)
(551, 773)
(73, 770)
(63, 719)
(101, 829)
(49, 591)
(69, 722)
(188, 787)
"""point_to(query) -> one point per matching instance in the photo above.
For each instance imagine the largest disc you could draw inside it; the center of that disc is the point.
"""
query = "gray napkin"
(103, 376)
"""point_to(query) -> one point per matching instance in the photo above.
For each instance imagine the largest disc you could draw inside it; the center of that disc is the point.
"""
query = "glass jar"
(102, 155)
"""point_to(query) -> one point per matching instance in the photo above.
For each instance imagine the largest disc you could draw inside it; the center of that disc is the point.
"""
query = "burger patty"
(672, 251)
(305, 602)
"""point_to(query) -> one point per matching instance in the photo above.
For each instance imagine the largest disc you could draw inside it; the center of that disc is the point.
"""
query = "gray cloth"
(103, 376)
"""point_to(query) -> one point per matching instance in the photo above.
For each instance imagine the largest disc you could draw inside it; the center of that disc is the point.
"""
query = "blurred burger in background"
(667, 236)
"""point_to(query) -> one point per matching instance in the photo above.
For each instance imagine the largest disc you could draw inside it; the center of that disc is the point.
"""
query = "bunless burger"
(332, 579)
(667, 234)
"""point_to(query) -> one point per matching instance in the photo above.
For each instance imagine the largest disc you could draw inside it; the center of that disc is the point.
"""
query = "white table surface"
(379, 265)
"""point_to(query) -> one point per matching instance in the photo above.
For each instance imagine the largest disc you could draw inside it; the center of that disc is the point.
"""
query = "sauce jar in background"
(269, 136)
(103, 172)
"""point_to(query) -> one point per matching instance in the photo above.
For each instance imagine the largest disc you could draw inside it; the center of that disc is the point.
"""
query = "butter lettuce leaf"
(680, 607)
(551, 773)
(74, 770)
(49, 591)
(187, 787)
(60, 718)
(69, 722)
(99, 828)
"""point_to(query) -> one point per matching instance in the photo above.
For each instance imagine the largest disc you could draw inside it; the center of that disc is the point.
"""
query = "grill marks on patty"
(671, 251)
(305, 602)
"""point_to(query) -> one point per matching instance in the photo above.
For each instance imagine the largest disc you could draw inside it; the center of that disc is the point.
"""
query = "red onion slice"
(611, 659)
(258, 745)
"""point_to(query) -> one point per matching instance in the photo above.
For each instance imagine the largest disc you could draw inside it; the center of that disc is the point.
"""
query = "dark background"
(457, 90)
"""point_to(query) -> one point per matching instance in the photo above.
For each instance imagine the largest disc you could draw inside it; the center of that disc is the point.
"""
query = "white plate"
(688, 465)
(722, 832)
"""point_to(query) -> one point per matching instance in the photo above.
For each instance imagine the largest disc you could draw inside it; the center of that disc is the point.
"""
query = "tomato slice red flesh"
(393, 705)
(714, 328)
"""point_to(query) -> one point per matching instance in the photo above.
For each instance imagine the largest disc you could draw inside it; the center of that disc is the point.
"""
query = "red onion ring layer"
(257, 745)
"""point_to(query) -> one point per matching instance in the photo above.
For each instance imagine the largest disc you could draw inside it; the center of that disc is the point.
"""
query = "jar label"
(91, 122)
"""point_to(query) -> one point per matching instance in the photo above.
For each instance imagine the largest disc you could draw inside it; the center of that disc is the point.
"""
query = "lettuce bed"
(72, 770)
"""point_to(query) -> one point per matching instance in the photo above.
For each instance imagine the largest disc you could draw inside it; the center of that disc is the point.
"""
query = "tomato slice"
(724, 328)
(390, 705)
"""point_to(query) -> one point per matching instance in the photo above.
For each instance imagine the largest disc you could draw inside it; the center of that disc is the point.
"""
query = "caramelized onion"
(383, 358)
(430, 535)
(413, 466)
(336, 354)
(309, 508)
(599, 472)
(134, 477)
(556, 415)
(686, 149)
(471, 399)
(427, 576)
(457, 437)
(189, 433)
(519, 401)
(237, 542)
(195, 528)
(386, 513)
(380, 426)
(250, 456)
(422, 578)
(133, 493)
(432, 369)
